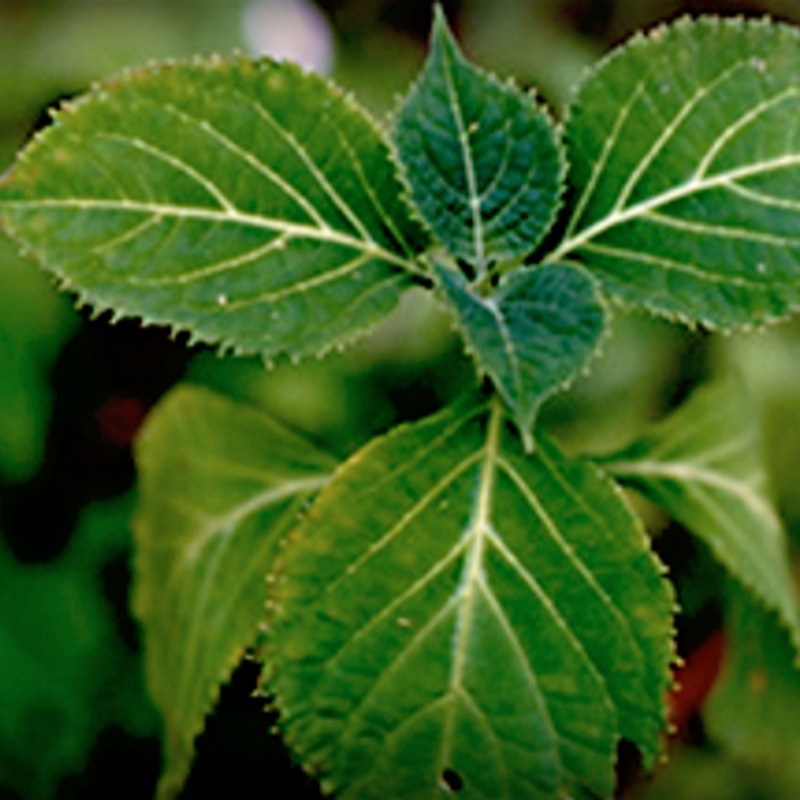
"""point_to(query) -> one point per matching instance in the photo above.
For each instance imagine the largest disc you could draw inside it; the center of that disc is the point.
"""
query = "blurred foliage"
(34, 323)
(68, 662)
(65, 670)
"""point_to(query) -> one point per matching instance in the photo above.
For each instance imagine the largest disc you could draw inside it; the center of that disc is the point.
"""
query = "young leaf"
(482, 158)
(684, 151)
(236, 200)
(703, 465)
(219, 485)
(753, 708)
(454, 614)
(534, 333)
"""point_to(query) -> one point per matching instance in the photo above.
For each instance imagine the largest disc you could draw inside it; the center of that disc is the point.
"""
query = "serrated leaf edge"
(562, 249)
(583, 371)
(100, 91)
(530, 96)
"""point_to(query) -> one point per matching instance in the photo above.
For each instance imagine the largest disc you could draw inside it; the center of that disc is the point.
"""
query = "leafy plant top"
(459, 607)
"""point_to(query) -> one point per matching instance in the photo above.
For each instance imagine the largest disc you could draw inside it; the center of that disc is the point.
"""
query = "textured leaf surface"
(452, 613)
(219, 484)
(753, 709)
(235, 200)
(684, 149)
(534, 333)
(482, 158)
(704, 466)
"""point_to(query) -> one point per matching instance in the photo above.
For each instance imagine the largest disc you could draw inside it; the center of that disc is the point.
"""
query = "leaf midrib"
(688, 472)
(687, 189)
(161, 210)
(474, 200)
(618, 215)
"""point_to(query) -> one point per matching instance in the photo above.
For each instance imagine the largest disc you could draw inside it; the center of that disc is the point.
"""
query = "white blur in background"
(295, 30)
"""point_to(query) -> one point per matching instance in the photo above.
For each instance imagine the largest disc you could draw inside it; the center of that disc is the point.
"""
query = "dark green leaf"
(219, 485)
(454, 612)
(704, 466)
(482, 158)
(236, 200)
(684, 150)
(532, 335)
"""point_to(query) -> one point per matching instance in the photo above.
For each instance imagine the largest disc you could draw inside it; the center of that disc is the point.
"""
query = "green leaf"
(684, 150)
(482, 158)
(753, 708)
(454, 613)
(704, 466)
(219, 485)
(533, 334)
(233, 199)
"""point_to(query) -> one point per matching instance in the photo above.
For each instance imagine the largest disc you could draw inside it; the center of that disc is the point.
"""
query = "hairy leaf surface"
(236, 200)
(453, 612)
(753, 709)
(536, 331)
(704, 466)
(482, 158)
(684, 149)
(219, 484)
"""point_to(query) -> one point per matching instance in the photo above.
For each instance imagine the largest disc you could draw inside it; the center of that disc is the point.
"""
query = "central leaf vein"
(156, 209)
(687, 189)
(699, 181)
(469, 168)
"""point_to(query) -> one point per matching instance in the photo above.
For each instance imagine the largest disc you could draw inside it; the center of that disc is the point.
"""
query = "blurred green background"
(75, 720)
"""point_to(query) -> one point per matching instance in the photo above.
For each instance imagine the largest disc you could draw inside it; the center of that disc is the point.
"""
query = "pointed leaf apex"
(441, 33)
(486, 203)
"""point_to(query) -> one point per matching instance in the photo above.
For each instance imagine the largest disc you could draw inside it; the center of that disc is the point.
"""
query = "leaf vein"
(318, 175)
(669, 132)
(171, 159)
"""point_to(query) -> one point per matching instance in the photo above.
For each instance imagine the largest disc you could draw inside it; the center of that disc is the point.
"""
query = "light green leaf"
(753, 708)
(454, 614)
(236, 200)
(482, 158)
(219, 485)
(704, 466)
(684, 150)
(536, 331)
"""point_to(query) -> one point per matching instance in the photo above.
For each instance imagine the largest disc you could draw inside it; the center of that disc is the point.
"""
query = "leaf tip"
(441, 33)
